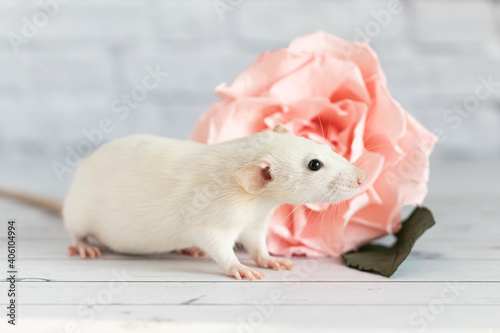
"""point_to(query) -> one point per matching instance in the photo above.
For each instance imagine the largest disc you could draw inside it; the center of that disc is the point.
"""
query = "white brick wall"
(454, 21)
(65, 78)
(277, 21)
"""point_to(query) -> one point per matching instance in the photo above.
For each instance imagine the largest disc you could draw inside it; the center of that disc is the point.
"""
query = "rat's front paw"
(239, 271)
(276, 263)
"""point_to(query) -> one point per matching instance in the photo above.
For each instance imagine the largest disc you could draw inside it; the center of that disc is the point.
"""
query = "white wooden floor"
(450, 281)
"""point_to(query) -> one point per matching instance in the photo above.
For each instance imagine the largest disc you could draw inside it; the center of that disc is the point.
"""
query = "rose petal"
(263, 73)
(333, 92)
(319, 77)
(359, 53)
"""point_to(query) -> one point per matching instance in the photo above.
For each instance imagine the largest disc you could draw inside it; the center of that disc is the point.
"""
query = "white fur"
(146, 194)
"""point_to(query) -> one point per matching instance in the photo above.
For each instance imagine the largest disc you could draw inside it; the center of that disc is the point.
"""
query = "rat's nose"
(361, 178)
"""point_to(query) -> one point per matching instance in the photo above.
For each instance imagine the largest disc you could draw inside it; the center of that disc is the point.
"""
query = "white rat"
(145, 194)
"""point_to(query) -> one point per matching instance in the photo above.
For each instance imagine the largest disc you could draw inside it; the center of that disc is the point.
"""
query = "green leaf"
(386, 260)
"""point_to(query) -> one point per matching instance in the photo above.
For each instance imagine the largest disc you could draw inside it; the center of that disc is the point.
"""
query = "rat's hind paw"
(239, 271)
(276, 263)
(85, 250)
(192, 251)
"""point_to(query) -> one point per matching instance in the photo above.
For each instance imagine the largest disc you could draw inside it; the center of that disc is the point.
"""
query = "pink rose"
(333, 92)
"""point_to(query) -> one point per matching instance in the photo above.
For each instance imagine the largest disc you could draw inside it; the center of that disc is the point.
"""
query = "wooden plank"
(291, 293)
(262, 318)
(173, 268)
(180, 268)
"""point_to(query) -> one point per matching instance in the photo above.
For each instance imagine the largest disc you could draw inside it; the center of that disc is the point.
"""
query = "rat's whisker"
(321, 126)
(323, 199)
(368, 136)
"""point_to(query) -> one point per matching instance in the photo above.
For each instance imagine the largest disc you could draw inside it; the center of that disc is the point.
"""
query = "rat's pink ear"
(280, 128)
(254, 177)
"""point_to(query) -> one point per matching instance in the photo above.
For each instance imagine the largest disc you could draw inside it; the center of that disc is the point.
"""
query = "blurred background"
(65, 65)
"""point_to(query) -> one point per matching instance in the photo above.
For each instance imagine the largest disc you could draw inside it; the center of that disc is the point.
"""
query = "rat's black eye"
(315, 165)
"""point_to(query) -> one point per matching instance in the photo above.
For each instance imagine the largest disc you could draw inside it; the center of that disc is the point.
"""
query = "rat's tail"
(52, 206)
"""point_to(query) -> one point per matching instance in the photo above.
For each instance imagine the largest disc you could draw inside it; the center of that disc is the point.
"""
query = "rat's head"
(296, 170)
